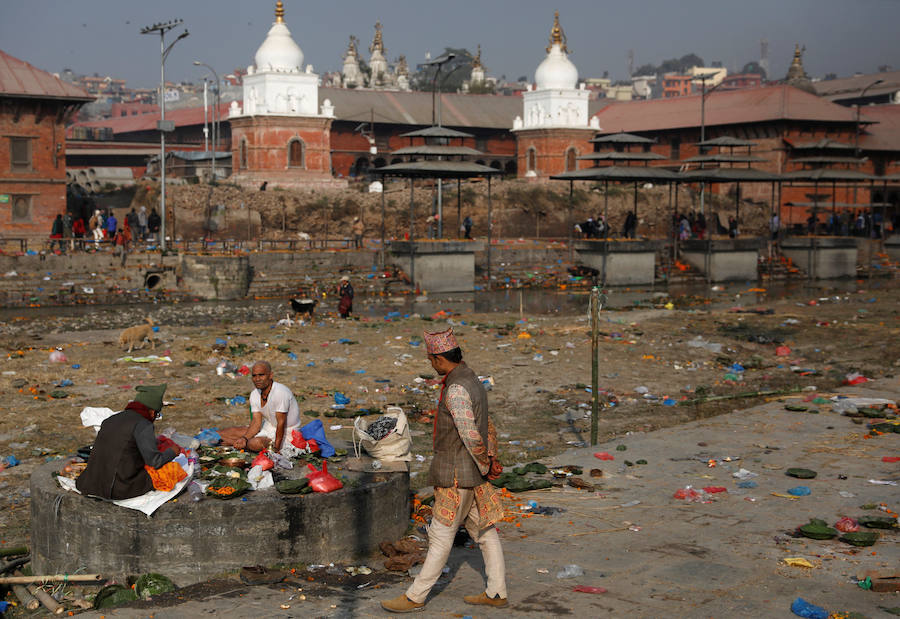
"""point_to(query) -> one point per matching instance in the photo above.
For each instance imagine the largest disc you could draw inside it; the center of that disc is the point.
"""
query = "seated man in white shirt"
(275, 415)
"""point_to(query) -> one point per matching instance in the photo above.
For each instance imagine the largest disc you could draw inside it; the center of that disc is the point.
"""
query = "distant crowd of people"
(849, 223)
(83, 233)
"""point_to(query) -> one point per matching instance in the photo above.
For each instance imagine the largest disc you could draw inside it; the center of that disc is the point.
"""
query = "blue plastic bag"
(208, 437)
(340, 398)
(800, 491)
(802, 608)
(315, 429)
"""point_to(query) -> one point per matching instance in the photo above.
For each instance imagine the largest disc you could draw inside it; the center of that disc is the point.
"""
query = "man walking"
(465, 458)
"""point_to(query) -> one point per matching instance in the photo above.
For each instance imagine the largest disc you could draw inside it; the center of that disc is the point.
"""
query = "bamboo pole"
(49, 603)
(28, 601)
(736, 396)
(12, 552)
(26, 580)
(595, 370)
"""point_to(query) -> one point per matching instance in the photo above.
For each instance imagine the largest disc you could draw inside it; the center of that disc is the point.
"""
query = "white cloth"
(146, 503)
(94, 416)
(281, 400)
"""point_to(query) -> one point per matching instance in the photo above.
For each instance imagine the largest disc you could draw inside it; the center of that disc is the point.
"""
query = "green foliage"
(672, 65)
(453, 73)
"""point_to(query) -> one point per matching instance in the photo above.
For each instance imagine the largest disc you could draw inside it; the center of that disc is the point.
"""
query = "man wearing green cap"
(126, 442)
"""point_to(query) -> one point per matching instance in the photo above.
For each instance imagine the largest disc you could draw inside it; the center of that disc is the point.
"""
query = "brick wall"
(550, 147)
(45, 183)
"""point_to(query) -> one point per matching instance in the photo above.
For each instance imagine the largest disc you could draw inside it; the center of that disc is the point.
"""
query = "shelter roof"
(723, 159)
(730, 107)
(823, 144)
(22, 80)
(622, 138)
(827, 174)
(828, 159)
(436, 132)
(730, 175)
(726, 141)
(619, 173)
(428, 149)
(436, 169)
(613, 155)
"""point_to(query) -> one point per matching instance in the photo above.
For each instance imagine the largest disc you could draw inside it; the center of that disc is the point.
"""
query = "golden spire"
(476, 62)
(377, 42)
(557, 36)
(279, 12)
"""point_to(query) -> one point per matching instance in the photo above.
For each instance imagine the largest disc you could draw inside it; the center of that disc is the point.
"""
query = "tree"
(453, 73)
(754, 67)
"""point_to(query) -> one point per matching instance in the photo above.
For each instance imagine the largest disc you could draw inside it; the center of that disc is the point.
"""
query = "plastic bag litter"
(94, 416)
(570, 571)
(802, 608)
(699, 342)
(58, 356)
(259, 479)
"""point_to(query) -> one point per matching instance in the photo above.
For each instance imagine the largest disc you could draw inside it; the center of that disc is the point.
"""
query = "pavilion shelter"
(436, 157)
(625, 167)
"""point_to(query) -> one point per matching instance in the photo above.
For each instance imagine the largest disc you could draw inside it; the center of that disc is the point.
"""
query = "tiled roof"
(20, 79)
(182, 117)
(395, 107)
(884, 133)
(728, 107)
(851, 87)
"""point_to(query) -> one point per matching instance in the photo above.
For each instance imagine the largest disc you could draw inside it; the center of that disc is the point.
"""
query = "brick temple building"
(34, 109)
(556, 126)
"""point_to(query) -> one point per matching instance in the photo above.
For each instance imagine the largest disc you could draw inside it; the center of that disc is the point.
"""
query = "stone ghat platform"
(192, 541)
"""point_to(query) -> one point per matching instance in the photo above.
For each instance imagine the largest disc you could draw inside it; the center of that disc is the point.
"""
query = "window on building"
(296, 154)
(20, 154)
(879, 167)
(571, 164)
(21, 209)
(675, 149)
(481, 144)
(531, 160)
(242, 156)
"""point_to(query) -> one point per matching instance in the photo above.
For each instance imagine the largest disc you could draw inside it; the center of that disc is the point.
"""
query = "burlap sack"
(393, 447)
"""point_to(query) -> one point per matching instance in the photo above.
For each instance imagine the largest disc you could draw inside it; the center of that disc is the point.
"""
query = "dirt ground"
(650, 374)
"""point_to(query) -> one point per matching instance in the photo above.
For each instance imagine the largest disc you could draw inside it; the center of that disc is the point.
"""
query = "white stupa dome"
(556, 71)
(279, 52)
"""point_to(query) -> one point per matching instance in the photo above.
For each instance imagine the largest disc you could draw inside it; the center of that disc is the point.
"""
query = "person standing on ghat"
(465, 459)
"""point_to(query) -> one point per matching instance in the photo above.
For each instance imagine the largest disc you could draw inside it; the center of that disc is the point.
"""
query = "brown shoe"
(402, 604)
(482, 599)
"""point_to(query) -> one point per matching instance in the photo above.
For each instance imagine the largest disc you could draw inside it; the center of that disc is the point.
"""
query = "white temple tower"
(554, 128)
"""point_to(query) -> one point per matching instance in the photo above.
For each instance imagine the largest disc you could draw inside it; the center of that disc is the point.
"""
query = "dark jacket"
(452, 461)
(115, 470)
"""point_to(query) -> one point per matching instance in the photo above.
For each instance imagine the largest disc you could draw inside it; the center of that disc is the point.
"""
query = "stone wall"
(190, 542)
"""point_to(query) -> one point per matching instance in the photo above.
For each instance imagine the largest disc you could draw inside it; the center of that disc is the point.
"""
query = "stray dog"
(137, 334)
(304, 306)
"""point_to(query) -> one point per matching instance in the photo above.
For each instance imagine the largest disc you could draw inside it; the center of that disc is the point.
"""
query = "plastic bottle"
(195, 491)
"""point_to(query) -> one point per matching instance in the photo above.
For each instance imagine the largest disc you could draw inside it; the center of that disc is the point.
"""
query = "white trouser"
(440, 541)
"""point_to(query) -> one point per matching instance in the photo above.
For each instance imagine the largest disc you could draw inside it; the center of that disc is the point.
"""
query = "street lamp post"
(856, 150)
(215, 140)
(440, 61)
(858, 105)
(162, 29)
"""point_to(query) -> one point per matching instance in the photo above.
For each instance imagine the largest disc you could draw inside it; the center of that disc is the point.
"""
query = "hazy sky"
(101, 36)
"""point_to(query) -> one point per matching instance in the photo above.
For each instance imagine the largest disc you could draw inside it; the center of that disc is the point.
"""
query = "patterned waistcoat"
(451, 458)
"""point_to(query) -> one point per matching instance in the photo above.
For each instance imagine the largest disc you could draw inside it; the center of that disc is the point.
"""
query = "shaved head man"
(275, 414)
